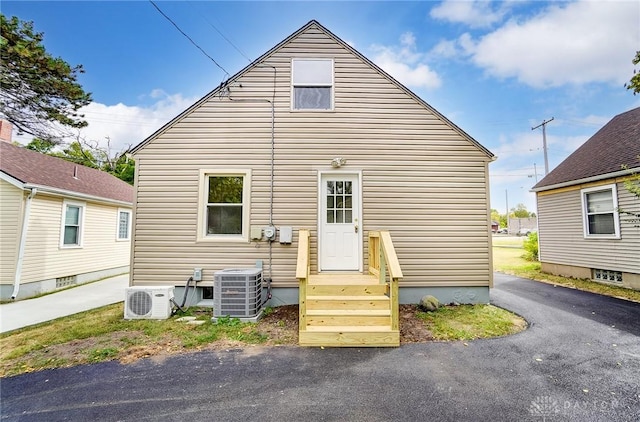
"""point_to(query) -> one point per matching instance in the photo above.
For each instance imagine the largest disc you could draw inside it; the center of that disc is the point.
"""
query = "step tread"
(341, 312)
(352, 297)
(350, 328)
(378, 338)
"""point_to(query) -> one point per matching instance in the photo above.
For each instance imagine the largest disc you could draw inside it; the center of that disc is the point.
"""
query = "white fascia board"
(12, 180)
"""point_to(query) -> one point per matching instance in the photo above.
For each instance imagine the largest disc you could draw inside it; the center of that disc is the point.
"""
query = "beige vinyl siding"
(11, 204)
(562, 234)
(421, 179)
(44, 259)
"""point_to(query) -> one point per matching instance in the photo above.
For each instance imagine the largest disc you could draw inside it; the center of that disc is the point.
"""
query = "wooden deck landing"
(343, 278)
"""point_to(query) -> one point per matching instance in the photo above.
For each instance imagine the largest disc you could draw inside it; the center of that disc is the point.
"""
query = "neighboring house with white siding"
(581, 232)
(61, 224)
(313, 135)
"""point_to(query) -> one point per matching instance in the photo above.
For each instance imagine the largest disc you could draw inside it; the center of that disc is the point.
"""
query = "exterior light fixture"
(338, 162)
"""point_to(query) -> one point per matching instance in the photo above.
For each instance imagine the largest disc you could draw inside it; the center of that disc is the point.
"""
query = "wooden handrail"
(393, 265)
(303, 269)
(383, 260)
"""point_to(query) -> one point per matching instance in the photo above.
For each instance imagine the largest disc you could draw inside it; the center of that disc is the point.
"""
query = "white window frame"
(203, 184)
(118, 238)
(295, 84)
(83, 207)
(585, 211)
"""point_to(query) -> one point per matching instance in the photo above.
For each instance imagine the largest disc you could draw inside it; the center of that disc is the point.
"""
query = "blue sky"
(496, 69)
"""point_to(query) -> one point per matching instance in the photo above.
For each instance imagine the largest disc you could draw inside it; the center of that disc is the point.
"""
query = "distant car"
(503, 231)
(525, 232)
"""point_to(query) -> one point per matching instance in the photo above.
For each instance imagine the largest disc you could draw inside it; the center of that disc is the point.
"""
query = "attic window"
(312, 84)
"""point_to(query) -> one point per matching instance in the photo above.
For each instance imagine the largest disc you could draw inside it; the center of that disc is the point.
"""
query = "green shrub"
(530, 246)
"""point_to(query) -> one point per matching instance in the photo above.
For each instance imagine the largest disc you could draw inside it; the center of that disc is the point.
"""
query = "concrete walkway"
(24, 313)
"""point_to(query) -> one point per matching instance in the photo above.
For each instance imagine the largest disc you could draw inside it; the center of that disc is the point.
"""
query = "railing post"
(303, 269)
(382, 276)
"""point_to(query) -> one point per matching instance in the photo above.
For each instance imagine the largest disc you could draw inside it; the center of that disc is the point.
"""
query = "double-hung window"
(600, 212)
(124, 225)
(72, 224)
(312, 84)
(223, 213)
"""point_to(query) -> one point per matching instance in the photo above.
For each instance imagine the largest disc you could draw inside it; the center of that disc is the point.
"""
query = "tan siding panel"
(421, 179)
(562, 235)
(11, 210)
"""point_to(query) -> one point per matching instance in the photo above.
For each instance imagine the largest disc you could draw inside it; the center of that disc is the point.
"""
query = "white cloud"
(125, 126)
(406, 64)
(476, 14)
(129, 125)
(570, 43)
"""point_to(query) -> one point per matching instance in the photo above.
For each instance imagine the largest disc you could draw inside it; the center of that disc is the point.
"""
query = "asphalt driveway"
(578, 361)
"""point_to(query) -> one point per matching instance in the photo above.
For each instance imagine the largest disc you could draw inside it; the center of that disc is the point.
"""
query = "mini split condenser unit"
(147, 302)
(238, 293)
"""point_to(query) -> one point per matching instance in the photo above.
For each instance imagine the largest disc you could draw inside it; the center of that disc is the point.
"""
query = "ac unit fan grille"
(140, 303)
(238, 293)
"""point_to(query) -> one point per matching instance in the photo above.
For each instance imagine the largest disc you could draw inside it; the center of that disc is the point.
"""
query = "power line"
(189, 38)
(223, 36)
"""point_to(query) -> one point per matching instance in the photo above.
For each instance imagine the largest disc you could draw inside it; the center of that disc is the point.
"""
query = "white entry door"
(339, 222)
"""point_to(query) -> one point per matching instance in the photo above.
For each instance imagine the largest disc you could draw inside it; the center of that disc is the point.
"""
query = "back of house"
(314, 136)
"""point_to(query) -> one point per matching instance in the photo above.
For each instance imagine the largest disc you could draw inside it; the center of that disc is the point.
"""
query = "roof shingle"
(616, 144)
(34, 168)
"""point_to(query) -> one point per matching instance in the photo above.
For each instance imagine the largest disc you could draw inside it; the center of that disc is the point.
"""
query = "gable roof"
(616, 144)
(315, 25)
(35, 170)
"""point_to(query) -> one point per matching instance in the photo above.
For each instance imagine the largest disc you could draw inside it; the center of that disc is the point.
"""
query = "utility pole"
(506, 196)
(544, 143)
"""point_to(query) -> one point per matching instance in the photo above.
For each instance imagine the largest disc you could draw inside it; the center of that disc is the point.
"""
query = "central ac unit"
(238, 293)
(148, 302)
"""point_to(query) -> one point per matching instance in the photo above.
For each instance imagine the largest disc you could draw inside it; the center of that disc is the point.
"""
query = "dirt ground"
(281, 326)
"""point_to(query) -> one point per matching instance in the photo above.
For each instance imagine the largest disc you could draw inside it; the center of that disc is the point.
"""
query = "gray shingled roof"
(615, 145)
(34, 168)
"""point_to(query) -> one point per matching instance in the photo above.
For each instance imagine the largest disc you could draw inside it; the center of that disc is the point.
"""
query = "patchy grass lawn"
(468, 322)
(102, 334)
(509, 260)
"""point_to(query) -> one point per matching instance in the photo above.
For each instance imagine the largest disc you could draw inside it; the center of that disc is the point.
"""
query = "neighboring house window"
(224, 210)
(600, 210)
(124, 224)
(72, 224)
(312, 84)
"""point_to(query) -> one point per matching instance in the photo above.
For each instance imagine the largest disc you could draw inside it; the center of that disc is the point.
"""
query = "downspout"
(23, 240)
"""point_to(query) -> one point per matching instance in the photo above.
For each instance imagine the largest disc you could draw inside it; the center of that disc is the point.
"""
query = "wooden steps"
(347, 310)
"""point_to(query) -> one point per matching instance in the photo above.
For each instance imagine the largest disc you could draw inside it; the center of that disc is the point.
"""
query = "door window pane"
(330, 218)
(340, 201)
